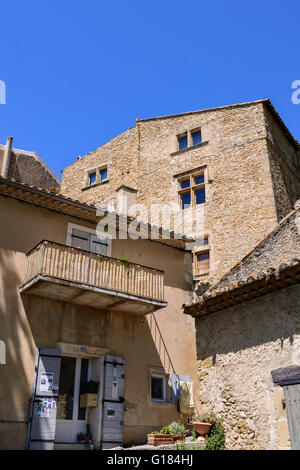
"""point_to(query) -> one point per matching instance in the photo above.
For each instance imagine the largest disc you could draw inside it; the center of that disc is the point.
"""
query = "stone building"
(238, 163)
(248, 335)
(70, 313)
(90, 305)
(26, 167)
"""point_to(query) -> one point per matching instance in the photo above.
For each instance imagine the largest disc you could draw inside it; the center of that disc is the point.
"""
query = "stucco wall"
(237, 349)
(165, 341)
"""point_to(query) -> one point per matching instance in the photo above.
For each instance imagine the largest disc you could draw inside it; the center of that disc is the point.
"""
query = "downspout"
(6, 158)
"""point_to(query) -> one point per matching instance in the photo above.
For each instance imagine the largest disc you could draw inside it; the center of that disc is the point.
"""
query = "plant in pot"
(159, 438)
(178, 430)
(203, 424)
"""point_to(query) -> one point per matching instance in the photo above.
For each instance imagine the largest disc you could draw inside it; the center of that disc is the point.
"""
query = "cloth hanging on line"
(186, 398)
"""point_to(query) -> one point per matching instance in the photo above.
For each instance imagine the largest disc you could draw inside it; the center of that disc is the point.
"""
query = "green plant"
(215, 439)
(92, 386)
(206, 418)
(165, 430)
(177, 428)
(184, 446)
(194, 433)
(124, 261)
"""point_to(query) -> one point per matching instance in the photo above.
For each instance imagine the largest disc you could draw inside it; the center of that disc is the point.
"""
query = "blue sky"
(78, 73)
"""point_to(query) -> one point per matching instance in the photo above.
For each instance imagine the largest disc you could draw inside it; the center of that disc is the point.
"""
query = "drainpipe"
(6, 158)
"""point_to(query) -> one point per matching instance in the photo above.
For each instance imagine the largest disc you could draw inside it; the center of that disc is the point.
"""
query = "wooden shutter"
(43, 408)
(113, 402)
(292, 403)
(98, 245)
(81, 239)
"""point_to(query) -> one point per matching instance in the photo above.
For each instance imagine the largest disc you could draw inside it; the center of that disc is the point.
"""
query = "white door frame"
(67, 429)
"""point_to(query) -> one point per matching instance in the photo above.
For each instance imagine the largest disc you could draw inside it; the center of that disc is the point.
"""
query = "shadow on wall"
(17, 374)
(267, 321)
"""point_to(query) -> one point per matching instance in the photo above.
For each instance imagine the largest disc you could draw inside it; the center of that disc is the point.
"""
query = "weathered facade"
(38, 315)
(247, 327)
(249, 162)
(26, 167)
(90, 304)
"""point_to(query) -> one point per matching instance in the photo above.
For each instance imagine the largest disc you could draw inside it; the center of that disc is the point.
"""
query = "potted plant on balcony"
(159, 438)
(203, 424)
(178, 430)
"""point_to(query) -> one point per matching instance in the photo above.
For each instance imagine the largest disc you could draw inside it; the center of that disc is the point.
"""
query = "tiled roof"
(65, 205)
(265, 281)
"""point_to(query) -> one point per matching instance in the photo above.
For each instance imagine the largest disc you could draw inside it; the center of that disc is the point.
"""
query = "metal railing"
(96, 270)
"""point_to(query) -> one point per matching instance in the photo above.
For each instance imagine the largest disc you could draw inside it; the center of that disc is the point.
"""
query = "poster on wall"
(46, 384)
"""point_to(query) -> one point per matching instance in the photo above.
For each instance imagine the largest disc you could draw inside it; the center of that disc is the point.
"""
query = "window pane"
(66, 388)
(185, 200)
(200, 196)
(185, 184)
(182, 142)
(92, 178)
(203, 261)
(83, 385)
(196, 137)
(103, 174)
(157, 388)
(199, 179)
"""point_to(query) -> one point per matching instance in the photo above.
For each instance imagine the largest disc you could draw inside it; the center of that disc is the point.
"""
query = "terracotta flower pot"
(202, 429)
(160, 439)
(180, 438)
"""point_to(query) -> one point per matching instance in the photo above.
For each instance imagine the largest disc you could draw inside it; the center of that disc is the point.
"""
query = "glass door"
(71, 419)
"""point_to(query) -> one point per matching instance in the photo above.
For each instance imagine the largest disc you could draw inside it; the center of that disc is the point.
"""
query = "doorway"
(71, 419)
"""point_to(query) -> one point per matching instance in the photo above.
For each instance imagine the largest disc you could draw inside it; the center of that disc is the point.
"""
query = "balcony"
(77, 276)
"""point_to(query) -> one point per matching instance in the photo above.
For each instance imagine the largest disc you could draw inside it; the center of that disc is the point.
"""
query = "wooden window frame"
(192, 187)
(205, 249)
(162, 376)
(189, 137)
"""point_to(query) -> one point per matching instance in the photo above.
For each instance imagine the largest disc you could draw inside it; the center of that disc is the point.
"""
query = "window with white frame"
(88, 241)
(158, 387)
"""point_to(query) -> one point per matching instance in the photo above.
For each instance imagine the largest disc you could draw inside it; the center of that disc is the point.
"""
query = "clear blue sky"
(80, 72)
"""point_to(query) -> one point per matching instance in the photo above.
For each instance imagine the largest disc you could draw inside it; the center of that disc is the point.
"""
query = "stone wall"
(245, 192)
(237, 349)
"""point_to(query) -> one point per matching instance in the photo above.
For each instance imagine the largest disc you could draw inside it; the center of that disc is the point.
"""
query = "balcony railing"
(84, 267)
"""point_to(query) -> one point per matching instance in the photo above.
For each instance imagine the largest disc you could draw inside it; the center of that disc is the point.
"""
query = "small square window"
(92, 178)
(196, 137)
(182, 142)
(185, 183)
(199, 179)
(158, 388)
(103, 174)
(203, 262)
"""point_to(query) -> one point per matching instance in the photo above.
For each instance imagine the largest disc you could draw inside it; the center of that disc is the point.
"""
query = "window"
(191, 189)
(103, 174)
(92, 178)
(96, 176)
(202, 258)
(89, 242)
(158, 387)
(182, 141)
(196, 137)
(189, 139)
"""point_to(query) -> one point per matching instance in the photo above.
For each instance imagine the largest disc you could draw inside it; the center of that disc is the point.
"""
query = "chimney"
(6, 157)
(126, 198)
